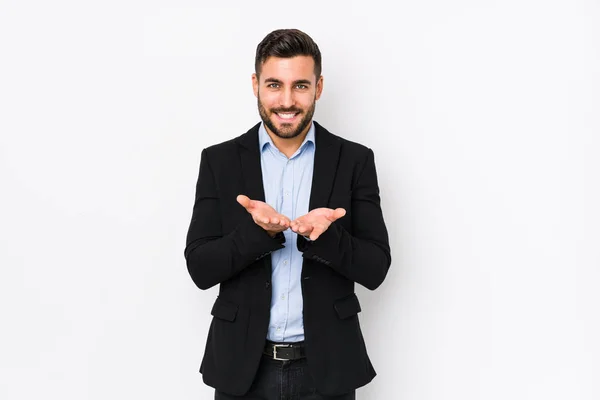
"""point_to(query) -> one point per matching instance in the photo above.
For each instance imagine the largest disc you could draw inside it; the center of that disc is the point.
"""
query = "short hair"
(287, 43)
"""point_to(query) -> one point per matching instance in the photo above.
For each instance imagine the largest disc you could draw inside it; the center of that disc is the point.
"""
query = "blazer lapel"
(327, 153)
(252, 178)
(251, 169)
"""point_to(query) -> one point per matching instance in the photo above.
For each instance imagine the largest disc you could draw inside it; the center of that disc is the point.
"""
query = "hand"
(316, 221)
(264, 215)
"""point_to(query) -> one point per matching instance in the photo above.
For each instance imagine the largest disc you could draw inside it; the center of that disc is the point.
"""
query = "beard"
(286, 131)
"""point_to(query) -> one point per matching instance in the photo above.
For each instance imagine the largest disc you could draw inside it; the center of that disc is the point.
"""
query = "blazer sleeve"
(364, 256)
(212, 256)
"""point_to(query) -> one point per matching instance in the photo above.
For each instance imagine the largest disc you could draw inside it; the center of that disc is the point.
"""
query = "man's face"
(287, 91)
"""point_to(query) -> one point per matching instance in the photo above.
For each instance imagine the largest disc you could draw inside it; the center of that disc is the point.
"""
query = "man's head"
(287, 81)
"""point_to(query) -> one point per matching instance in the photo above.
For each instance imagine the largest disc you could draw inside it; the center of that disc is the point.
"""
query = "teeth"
(287, 116)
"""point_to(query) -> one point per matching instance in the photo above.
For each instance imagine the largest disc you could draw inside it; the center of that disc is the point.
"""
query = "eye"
(301, 86)
(273, 85)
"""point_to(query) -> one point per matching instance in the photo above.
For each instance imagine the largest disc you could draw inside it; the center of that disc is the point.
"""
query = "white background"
(484, 119)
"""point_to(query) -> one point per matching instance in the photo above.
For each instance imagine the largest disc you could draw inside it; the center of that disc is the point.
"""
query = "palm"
(316, 221)
(264, 215)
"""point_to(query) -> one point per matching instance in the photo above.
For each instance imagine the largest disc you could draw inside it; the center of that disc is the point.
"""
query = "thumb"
(244, 201)
(338, 213)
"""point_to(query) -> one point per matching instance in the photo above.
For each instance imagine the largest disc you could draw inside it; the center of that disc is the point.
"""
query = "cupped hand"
(317, 221)
(264, 215)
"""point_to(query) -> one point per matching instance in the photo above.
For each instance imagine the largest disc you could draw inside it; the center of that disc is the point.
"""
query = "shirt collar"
(264, 138)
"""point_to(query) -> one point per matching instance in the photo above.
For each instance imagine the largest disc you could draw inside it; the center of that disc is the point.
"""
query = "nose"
(286, 100)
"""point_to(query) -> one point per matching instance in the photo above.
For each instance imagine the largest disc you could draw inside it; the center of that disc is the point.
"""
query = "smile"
(286, 116)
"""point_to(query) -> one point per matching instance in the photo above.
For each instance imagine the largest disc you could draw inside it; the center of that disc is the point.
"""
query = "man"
(286, 219)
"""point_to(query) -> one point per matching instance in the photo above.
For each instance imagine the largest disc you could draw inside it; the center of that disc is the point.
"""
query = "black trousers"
(283, 380)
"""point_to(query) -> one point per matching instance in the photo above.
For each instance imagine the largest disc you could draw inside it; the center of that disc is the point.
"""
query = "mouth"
(287, 117)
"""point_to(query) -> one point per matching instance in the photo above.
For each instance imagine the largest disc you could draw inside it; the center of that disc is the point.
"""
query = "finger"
(316, 232)
(260, 219)
(285, 222)
(305, 229)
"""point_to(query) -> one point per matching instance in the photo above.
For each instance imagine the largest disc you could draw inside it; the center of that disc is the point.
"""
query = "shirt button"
(283, 297)
(285, 262)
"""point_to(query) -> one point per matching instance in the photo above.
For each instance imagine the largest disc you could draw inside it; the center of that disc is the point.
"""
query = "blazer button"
(267, 285)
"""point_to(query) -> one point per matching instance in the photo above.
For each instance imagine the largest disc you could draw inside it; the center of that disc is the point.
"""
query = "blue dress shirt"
(287, 184)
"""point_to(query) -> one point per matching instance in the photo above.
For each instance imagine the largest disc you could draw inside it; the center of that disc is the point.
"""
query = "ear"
(319, 87)
(255, 84)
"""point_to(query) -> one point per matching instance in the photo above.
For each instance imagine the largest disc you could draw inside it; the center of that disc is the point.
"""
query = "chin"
(286, 130)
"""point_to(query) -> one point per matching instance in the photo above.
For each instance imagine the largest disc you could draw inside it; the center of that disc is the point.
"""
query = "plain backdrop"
(484, 120)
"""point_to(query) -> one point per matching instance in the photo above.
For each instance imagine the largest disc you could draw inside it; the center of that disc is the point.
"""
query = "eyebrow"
(296, 82)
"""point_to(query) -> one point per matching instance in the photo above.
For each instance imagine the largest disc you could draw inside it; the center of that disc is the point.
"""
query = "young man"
(286, 220)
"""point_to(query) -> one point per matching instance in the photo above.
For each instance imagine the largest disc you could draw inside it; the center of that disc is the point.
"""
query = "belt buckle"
(275, 346)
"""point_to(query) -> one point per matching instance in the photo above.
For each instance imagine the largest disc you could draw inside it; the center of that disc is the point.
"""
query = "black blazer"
(224, 246)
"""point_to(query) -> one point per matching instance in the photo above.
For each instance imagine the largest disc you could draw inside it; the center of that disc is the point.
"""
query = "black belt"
(284, 351)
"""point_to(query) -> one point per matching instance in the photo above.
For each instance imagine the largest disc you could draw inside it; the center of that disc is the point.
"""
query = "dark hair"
(287, 43)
